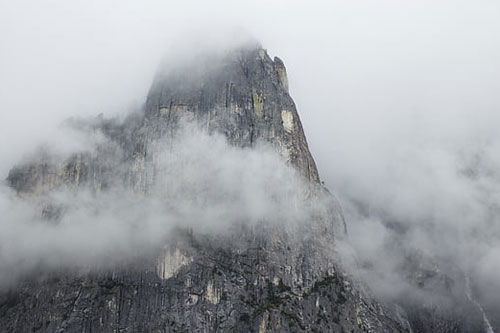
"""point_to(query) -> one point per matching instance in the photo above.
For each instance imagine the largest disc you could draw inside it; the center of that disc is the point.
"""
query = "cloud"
(399, 99)
(200, 183)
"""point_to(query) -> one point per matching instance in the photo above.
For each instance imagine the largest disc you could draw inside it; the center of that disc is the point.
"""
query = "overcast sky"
(352, 64)
(359, 70)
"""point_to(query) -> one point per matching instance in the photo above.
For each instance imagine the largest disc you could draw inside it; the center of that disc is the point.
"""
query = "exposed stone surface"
(242, 94)
(275, 280)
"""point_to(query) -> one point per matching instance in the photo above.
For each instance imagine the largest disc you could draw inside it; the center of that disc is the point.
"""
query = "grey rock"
(262, 278)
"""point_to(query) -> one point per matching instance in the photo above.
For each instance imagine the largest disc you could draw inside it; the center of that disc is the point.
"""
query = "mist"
(202, 184)
(398, 99)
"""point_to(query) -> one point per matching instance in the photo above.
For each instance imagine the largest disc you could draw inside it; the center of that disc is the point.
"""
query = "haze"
(399, 99)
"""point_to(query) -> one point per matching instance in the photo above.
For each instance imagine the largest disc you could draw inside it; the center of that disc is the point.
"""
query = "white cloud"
(396, 97)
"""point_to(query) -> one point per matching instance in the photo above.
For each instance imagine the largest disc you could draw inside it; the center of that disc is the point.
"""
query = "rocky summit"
(252, 278)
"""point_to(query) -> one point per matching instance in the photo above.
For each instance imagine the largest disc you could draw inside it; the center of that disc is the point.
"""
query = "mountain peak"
(272, 267)
(241, 93)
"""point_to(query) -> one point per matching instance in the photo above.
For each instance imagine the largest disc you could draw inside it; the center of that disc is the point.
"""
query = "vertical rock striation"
(261, 278)
(242, 94)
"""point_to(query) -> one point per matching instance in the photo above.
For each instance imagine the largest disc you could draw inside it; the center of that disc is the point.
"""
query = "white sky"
(362, 72)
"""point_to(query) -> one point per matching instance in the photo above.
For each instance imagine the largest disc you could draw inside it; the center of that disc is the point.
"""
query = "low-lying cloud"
(196, 181)
(433, 197)
(399, 102)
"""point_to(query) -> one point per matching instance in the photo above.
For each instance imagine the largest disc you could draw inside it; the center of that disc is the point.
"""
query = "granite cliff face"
(242, 94)
(258, 278)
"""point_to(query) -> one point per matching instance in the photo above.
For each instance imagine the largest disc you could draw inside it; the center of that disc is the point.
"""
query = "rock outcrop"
(275, 279)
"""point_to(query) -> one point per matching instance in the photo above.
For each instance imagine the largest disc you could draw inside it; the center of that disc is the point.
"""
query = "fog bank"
(399, 102)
